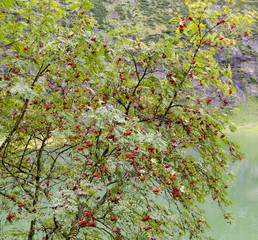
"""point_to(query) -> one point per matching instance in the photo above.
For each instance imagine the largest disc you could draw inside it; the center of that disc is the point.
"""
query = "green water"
(243, 192)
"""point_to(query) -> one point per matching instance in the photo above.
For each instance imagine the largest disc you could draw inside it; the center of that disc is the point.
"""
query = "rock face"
(244, 66)
(248, 67)
(253, 43)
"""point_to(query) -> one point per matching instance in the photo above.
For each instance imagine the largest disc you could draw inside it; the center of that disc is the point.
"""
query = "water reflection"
(244, 194)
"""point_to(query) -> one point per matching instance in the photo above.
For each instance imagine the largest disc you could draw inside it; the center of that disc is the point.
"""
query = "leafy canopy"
(112, 140)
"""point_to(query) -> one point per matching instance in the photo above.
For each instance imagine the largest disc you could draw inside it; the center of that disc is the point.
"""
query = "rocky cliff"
(151, 18)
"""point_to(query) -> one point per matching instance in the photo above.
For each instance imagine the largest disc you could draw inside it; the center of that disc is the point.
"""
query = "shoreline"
(249, 125)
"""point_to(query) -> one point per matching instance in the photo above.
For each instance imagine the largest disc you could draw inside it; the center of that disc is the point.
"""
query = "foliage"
(100, 12)
(111, 141)
(149, 17)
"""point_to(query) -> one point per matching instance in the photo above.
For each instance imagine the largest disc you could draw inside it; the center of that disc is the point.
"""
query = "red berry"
(10, 216)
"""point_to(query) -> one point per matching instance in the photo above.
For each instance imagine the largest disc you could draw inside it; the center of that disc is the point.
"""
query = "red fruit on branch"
(128, 133)
(172, 177)
(175, 192)
(82, 223)
(113, 200)
(80, 148)
(47, 182)
(10, 216)
(156, 190)
(221, 21)
(48, 107)
(91, 224)
(141, 106)
(117, 230)
(93, 39)
(145, 219)
(89, 213)
(21, 204)
(147, 228)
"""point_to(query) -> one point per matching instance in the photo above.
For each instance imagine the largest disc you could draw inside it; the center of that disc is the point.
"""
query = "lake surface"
(243, 192)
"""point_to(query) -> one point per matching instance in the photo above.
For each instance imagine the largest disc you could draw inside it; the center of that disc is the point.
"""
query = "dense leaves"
(112, 140)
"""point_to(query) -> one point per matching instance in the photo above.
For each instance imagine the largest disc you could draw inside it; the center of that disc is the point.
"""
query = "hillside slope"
(151, 18)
